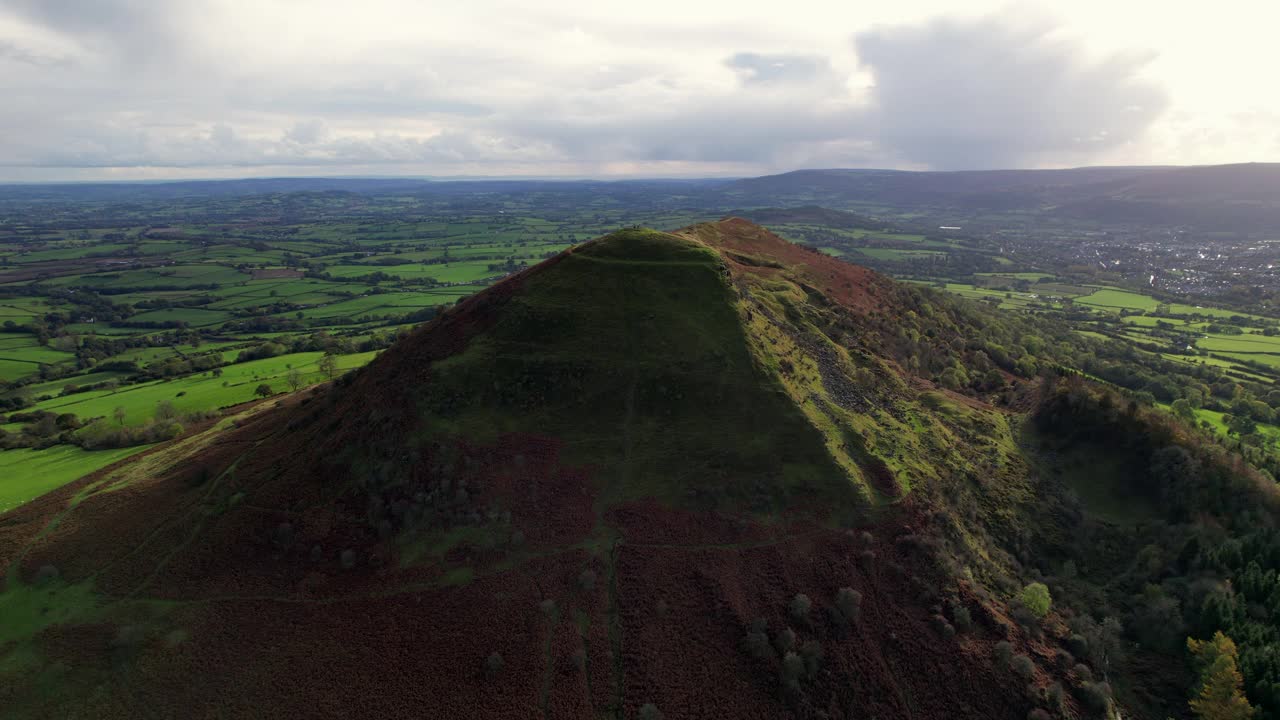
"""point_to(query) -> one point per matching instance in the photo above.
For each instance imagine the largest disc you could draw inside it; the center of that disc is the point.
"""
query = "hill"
(702, 473)
(1241, 197)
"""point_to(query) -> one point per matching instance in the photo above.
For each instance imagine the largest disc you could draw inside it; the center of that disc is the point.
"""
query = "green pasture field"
(1217, 362)
(54, 387)
(1150, 321)
(1184, 309)
(458, 272)
(1240, 343)
(26, 474)
(194, 317)
(11, 370)
(896, 254)
(1266, 359)
(103, 329)
(73, 252)
(199, 392)
(1119, 300)
(172, 276)
(145, 355)
(1008, 299)
(1032, 276)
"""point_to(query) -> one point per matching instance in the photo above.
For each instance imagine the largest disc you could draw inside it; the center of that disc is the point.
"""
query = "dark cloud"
(997, 92)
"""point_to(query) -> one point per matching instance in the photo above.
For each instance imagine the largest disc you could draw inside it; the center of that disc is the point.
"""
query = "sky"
(159, 89)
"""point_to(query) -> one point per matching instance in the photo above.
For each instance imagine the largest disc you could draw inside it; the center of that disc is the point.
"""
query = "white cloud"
(206, 87)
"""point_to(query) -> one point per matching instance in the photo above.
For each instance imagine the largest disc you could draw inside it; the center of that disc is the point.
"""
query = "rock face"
(599, 485)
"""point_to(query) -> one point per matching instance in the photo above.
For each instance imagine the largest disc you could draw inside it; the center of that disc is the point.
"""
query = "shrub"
(1003, 654)
(548, 607)
(811, 653)
(1023, 666)
(1078, 645)
(494, 663)
(1083, 672)
(756, 642)
(1038, 714)
(799, 607)
(46, 574)
(347, 559)
(1035, 597)
(961, 618)
(849, 603)
(785, 640)
(1095, 695)
(587, 579)
(943, 627)
(127, 637)
(649, 711)
(792, 671)
(1057, 698)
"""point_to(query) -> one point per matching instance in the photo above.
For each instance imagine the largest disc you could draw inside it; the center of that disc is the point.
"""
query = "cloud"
(133, 30)
(10, 50)
(756, 68)
(195, 84)
(996, 92)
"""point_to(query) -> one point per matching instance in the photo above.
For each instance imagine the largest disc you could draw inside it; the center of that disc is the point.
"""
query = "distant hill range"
(1244, 197)
(1230, 197)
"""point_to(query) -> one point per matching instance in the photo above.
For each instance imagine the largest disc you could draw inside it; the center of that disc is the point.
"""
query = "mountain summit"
(686, 474)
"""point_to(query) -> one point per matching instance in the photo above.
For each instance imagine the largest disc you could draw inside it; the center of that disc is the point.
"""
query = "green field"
(1119, 300)
(1240, 344)
(200, 392)
(27, 474)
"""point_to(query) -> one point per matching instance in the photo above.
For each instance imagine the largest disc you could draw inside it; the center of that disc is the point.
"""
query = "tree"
(264, 390)
(1220, 694)
(119, 414)
(165, 410)
(328, 365)
(1182, 408)
(1240, 424)
(294, 378)
(1036, 598)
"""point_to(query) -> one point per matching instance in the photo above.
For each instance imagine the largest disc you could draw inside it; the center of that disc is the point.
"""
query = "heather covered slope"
(604, 483)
